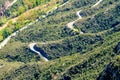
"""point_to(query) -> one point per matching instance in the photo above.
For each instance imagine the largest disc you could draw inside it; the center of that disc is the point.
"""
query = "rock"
(117, 48)
(111, 72)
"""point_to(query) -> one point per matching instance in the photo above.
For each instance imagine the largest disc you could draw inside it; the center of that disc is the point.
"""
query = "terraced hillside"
(70, 40)
(23, 13)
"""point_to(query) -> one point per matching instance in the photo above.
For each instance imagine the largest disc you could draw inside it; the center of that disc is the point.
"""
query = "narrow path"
(70, 24)
(5, 41)
(32, 47)
(64, 3)
(97, 3)
(12, 3)
(6, 9)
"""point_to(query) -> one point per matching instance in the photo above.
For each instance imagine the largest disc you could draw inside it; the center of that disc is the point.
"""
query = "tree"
(21, 9)
(6, 32)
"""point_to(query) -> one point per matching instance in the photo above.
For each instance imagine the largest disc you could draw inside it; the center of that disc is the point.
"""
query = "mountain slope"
(71, 55)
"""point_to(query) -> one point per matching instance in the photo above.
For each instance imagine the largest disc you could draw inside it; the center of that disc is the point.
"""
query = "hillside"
(61, 40)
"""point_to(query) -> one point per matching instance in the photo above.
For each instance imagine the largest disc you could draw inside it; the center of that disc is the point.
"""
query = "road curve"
(5, 41)
(70, 24)
(32, 47)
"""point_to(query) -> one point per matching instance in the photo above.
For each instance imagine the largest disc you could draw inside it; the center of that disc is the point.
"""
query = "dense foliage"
(72, 56)
(23, 19)
(23, 5)
(102, 21)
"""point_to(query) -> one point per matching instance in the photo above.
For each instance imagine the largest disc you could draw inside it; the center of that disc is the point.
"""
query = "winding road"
(71, 24)
(5, 41)
(32, 47)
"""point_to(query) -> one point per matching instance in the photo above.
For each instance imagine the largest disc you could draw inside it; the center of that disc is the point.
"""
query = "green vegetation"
(28, 16)
(23, 5)
(72, 56)
(70, 46)
(104, 20)
(90, 63)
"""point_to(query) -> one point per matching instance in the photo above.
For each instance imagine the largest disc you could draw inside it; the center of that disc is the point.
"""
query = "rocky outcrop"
(2, 10)
(5, 6)
(117, 48)
(111, 72)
